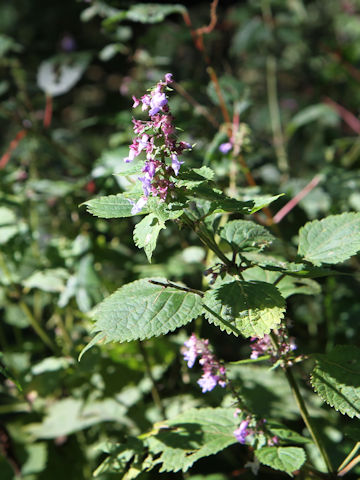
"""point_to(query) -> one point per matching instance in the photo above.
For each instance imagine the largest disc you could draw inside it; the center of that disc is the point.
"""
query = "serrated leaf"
(193, 435)
(245, 236)
(250, 308)
(335, 378)
(114, 206)
(152, 12)
(331, 240)
(146, 233)
(142, 310)
(286, 459)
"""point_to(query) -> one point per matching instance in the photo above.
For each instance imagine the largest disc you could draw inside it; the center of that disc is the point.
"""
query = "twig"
(48, 111)
(294, 201)
(178, 287)
(349, 466)
(197, 106)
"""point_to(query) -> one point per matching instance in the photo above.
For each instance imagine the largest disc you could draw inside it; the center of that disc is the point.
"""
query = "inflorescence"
(213, 372)
(156, 137)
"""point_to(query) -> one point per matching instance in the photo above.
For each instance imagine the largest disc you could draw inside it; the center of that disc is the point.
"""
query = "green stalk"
(303, 410)
(154, 389)
(37, 327)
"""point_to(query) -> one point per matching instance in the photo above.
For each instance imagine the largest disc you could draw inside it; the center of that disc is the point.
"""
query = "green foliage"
(331, 240)
(250, 308)
(142, 310)
(335, 379)
(286, 459)
(246, 236)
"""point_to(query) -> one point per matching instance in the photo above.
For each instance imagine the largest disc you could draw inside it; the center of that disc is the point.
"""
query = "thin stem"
(154, 389)
(37, 327)
(350, 456)
(275, 118)
(207, 240)
(349, 466)
(178, 287)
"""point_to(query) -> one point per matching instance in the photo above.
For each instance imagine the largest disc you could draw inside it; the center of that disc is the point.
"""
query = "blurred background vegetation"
(289, 69)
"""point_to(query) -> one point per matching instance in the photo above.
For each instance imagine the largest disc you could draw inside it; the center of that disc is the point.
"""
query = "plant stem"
(350, 456)
(37, 327)
(154, 389)
(303, 410)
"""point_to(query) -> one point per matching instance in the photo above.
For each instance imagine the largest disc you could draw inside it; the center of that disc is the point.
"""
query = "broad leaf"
(331, 240)
(193, 435)
(244, 235)
(286, 459)
(114, 206)
(141, 310)
(51, 280)
(250, 308)
(8, 224)
(152, 12)
(59, 74)
(146, 233)
(336, 379)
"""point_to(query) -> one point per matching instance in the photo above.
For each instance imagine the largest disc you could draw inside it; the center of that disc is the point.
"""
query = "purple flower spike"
(242, 432)
(175, 163)
(225, 147)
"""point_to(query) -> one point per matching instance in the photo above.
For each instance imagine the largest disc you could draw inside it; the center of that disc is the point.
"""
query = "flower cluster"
(156, 138)
(213, 372)
(264, 346)
(252, 427)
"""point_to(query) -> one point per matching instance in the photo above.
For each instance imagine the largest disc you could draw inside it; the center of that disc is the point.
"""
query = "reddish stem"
(13, 144)
(48, 111)
(294, 201)
(348, 117)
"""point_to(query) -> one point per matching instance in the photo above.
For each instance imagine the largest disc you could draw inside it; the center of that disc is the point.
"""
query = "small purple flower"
(175, 163)
(190, 352)
(136, 101)
(242, 432)
(146, 184)
(208, 382)
(168, 77)
(158, 100)
(150, 168)
(213, 372)
(225, 147)
(138, 206)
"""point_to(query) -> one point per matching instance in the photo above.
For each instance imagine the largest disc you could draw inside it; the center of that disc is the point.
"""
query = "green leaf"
(193, 435)
(286, 459)
(320, 112)
(59, 74)
(146, 233)
(336, 379)
(152, 12)
(51, 280)
(262, 201)
(244, 235)
(114, 206)
(8, 225)
(141, 310)
(250, 308)
(331, 240)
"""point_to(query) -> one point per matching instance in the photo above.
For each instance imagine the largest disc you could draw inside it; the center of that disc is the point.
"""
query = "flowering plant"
(245, 297)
